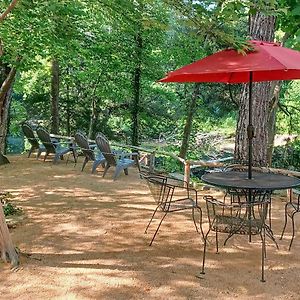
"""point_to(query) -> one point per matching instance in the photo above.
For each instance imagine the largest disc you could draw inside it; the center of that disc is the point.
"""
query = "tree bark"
(272, 121)
(55, 97)
(136, 83)
(7, 79)
(261, 27)
(94, 118)
(68, 111)
(7, 249)
(189, 122)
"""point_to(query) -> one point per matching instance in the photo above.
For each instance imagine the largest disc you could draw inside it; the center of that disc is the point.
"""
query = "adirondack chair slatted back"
(82, 141)
(44, 136)
(28, 132)
(103, 145)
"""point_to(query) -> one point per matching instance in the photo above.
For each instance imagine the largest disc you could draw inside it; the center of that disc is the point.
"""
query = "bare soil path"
(85, 239)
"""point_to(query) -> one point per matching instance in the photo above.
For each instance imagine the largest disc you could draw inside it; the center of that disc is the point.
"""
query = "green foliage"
(95, 45)
(288, 156)
(288, 117)
(8, 208)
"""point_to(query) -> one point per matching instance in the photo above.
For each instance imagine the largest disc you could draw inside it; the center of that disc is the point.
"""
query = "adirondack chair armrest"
(121, 155)
(92, 146)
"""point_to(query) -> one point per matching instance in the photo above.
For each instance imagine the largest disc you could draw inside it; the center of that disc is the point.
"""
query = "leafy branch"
(8, 10)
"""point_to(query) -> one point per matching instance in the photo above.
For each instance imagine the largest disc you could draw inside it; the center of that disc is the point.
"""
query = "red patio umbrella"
(266, 62)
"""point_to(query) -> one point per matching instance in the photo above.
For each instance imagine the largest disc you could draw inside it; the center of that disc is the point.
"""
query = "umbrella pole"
(250, 133)
(250, 129)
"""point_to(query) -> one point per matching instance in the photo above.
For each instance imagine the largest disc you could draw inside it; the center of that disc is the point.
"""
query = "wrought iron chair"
(240, 196)
(164, 191)
(35, 145)
(237, 218)
(88, 151)
(52, 146)
(120, 160)
(291, 209)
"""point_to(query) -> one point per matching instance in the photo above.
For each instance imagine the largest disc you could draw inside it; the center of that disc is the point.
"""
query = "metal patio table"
(259, 186)
(258, 182)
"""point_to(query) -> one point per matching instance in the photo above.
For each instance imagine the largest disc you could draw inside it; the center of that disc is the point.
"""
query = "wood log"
(3, 159)
(8, 251)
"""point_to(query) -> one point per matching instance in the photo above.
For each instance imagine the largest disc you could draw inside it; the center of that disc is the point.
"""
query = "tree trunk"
(136, 83)
(55, 97)
(261, 27)
(274, 107)
(189, 122)
(7, 76)
(272, 122)
(68, 111)
(94, 118)
(8, 251)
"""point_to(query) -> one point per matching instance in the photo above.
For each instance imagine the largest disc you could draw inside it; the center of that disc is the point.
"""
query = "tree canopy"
(111, 53)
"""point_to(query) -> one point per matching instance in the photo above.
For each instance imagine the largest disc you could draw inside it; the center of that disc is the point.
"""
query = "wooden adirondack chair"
(52, 146)
(88, 152)
(35, 145)
(120, 160)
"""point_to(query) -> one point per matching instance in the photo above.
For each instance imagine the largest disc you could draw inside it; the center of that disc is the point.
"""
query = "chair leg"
(67, 160)
(117, 172)
(270, 213)
(105, 170)
(74, 155)
(56, 158)
(46, 154)
(217, 242)
(158, 228)
(96, 164)
(270, 234)
(151, 218)
(86, 159)
(39, 153)
(293, 231)
(263, 255)
(285, 221)
(200, 221)
(204, 252)
(30, 151)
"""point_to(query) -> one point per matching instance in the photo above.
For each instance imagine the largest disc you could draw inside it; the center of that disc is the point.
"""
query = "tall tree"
(7, 249)
(55, 96)
(189, 122)
(261, 27)
(136, 87)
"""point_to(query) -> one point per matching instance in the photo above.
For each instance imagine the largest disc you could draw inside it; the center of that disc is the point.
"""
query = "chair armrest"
(216, 202)
(180, 183)
(120, 154)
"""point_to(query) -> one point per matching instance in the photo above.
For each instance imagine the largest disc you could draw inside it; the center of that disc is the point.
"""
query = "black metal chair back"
(164, 192)
(292, 208)
(237, 218)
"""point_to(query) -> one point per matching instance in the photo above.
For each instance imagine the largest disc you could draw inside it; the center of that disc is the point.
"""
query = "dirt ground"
(85, 239)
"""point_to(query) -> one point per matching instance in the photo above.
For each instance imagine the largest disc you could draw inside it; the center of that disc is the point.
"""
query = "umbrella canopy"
(267, 61)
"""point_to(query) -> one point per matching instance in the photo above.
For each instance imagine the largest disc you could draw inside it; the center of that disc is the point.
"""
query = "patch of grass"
(8, 208)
